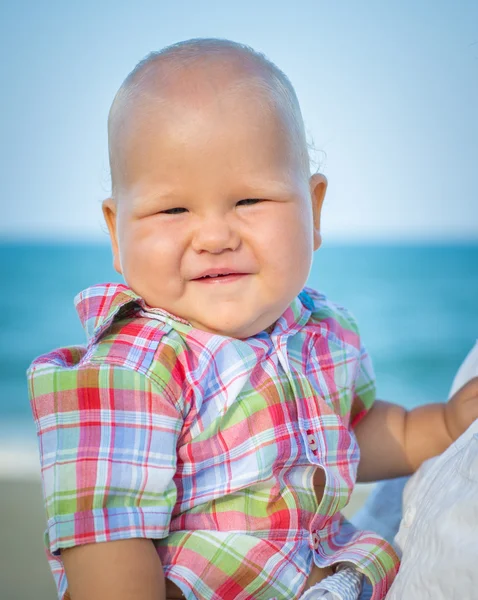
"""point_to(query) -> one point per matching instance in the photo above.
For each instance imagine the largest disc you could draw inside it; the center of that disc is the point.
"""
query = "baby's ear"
(109, 213)
(318, 187)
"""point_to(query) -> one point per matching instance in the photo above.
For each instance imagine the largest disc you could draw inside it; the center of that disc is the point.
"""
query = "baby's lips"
(219, 272)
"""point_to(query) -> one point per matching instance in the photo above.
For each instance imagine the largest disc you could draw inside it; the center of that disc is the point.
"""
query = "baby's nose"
(215, 235)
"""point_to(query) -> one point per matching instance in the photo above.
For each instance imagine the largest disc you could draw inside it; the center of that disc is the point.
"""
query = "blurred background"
(389, 93)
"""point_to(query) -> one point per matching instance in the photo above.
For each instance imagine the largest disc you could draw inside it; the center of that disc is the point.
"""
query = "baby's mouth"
(219, 276)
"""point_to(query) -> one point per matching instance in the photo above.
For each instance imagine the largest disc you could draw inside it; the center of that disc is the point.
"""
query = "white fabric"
(467, 371)
(438, 535)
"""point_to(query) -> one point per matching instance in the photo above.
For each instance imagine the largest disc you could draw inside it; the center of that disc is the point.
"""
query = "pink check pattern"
(208, 445)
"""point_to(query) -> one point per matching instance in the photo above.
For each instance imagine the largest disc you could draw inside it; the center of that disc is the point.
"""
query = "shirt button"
(315, 541)
(312, 442)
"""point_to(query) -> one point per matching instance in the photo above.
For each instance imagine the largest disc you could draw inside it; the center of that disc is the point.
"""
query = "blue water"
(417, 307)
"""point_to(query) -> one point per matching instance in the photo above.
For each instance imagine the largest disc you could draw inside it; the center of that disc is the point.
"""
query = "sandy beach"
(24, 571)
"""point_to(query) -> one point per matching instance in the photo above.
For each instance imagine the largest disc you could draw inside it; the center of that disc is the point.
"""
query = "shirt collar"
(295, 316)
(100, 305)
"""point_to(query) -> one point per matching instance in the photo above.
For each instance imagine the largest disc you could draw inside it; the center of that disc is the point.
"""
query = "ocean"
(417, 307)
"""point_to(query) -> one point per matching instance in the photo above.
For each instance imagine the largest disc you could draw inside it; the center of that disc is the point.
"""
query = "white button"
(312, 442)
(315, 541)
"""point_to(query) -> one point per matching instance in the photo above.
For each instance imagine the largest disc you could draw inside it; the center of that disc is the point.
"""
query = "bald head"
(198, 72)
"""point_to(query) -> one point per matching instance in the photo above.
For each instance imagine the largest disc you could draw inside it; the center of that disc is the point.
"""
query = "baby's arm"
(120, 570)
(394, 442)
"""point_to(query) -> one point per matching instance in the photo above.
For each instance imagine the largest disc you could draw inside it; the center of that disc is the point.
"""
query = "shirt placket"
(313, 443)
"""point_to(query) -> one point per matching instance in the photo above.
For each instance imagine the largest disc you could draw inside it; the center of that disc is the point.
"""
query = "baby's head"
(214, 215)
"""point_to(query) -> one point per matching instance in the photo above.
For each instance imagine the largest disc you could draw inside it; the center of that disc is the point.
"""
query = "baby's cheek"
(295, 255)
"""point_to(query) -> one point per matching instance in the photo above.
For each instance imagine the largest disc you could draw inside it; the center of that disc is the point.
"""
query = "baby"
(205, 440)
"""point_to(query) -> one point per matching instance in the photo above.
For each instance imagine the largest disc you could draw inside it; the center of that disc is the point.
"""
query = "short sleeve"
(107, 439)
(364, 392)
(363, 384)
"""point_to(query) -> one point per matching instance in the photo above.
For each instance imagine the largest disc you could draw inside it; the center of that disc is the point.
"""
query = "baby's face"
(214, 219)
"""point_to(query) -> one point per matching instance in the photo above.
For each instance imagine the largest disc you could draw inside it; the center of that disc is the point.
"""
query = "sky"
(389, 94)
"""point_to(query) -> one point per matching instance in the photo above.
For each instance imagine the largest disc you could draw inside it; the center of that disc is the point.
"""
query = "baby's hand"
(462, 409)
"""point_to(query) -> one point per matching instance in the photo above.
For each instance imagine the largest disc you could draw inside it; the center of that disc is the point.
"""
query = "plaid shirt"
(207, 445)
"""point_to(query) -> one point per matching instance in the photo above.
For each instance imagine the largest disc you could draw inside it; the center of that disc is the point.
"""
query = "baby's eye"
(249, 202)
(174, 211)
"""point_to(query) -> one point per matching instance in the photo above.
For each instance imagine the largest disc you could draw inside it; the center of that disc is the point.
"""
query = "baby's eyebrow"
(159, 194)
(262, 189)
(271, 189)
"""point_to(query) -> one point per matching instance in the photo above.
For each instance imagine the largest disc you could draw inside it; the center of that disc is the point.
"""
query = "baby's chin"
(239, 315)
(234, 328)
